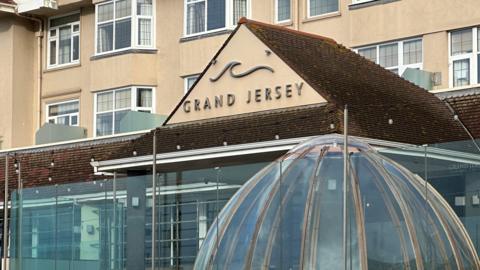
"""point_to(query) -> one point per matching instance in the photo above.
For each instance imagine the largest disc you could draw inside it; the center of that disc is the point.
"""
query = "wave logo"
(230, 67)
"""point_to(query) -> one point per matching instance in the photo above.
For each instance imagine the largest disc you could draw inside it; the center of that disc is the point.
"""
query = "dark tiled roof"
(467, 107)
(71, 162)
(373, 94)
(247, 128)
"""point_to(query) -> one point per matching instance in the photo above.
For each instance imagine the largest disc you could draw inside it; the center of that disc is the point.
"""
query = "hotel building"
(117, 86)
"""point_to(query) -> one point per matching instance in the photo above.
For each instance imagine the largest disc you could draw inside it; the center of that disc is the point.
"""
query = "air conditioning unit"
(33, 5)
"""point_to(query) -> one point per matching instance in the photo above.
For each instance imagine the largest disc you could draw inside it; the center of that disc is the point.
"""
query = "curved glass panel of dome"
(292, 215)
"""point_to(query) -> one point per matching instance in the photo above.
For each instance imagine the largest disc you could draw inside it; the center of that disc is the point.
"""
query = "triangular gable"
(244, 77)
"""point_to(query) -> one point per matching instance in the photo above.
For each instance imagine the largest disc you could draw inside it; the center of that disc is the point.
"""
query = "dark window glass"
(216, 14)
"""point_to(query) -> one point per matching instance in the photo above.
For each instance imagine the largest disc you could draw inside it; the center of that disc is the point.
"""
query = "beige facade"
(175, 56)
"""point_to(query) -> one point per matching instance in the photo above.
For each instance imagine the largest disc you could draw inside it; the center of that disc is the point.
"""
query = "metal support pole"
(115, 225)
(5, 216)
(20, 217)
(154, 197)
(425, 148)
(345, 187)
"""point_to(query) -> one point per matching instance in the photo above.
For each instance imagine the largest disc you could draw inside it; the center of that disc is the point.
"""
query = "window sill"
(52, 69)
(206, 35)
(369, 3)
(284, 23)
(323, 16)
(129, 51)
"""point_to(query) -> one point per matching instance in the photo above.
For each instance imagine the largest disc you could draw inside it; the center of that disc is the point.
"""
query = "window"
(203, 16)
(64, 40)
(464, 57)
(189, 81)
(282, 10)
(63, 113)
(111, 106)
(320, 7)
(396, 56)
(124, 24)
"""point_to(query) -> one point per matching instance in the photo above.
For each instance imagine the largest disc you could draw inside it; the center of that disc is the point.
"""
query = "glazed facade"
(118, 56)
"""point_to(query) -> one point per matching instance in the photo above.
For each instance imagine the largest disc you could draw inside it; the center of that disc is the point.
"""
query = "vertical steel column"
(20, 217)
(5, 216)
(425, 148)
(115, 229)
(345, 186)
(154, 196)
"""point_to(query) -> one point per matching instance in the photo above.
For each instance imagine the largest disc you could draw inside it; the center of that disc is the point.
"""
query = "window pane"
(105, 37)
(190, 81)
(216, 14)
(412, 52)
(369, 53)
(64, 108)
(105, 102)
(123, 8)
(144, 97)
(318, 7)
(105, 12)
(123, 31)
(63, 120)
(65, 20)
(118, 119)
(145, 32)
(104, 124)
(195, 18)
(53, 52)
(461, 42)
(461, 72)
(76, 51)
(76, 28)
(283, 10)
(389, 55)
(53, 33)
(239, 10)
(74, 120)
(478, 69)
(123, 99)
(144, 7)
(65, 43)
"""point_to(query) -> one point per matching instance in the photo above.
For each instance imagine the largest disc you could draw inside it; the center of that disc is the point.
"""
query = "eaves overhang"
(386, 147)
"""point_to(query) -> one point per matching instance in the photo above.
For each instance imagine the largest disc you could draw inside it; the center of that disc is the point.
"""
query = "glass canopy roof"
(294, 214)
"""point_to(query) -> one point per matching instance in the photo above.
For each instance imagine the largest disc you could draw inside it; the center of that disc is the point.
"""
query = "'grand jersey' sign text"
(268, 94)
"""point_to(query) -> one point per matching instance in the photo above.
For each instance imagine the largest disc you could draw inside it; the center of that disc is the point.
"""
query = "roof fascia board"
(222, 151)
(200, 154)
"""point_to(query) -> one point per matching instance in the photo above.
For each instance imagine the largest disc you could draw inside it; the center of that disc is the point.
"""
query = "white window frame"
(228, 17)
(133, 105)
(473, 57)
(276, 13)
(134, 27)
(77, 114)
(400, 66)
(310, 16)
(185, 82)
(57, 39)
(354, 2)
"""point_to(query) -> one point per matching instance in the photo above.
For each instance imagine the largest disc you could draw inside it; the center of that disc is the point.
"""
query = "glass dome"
(292, 215)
